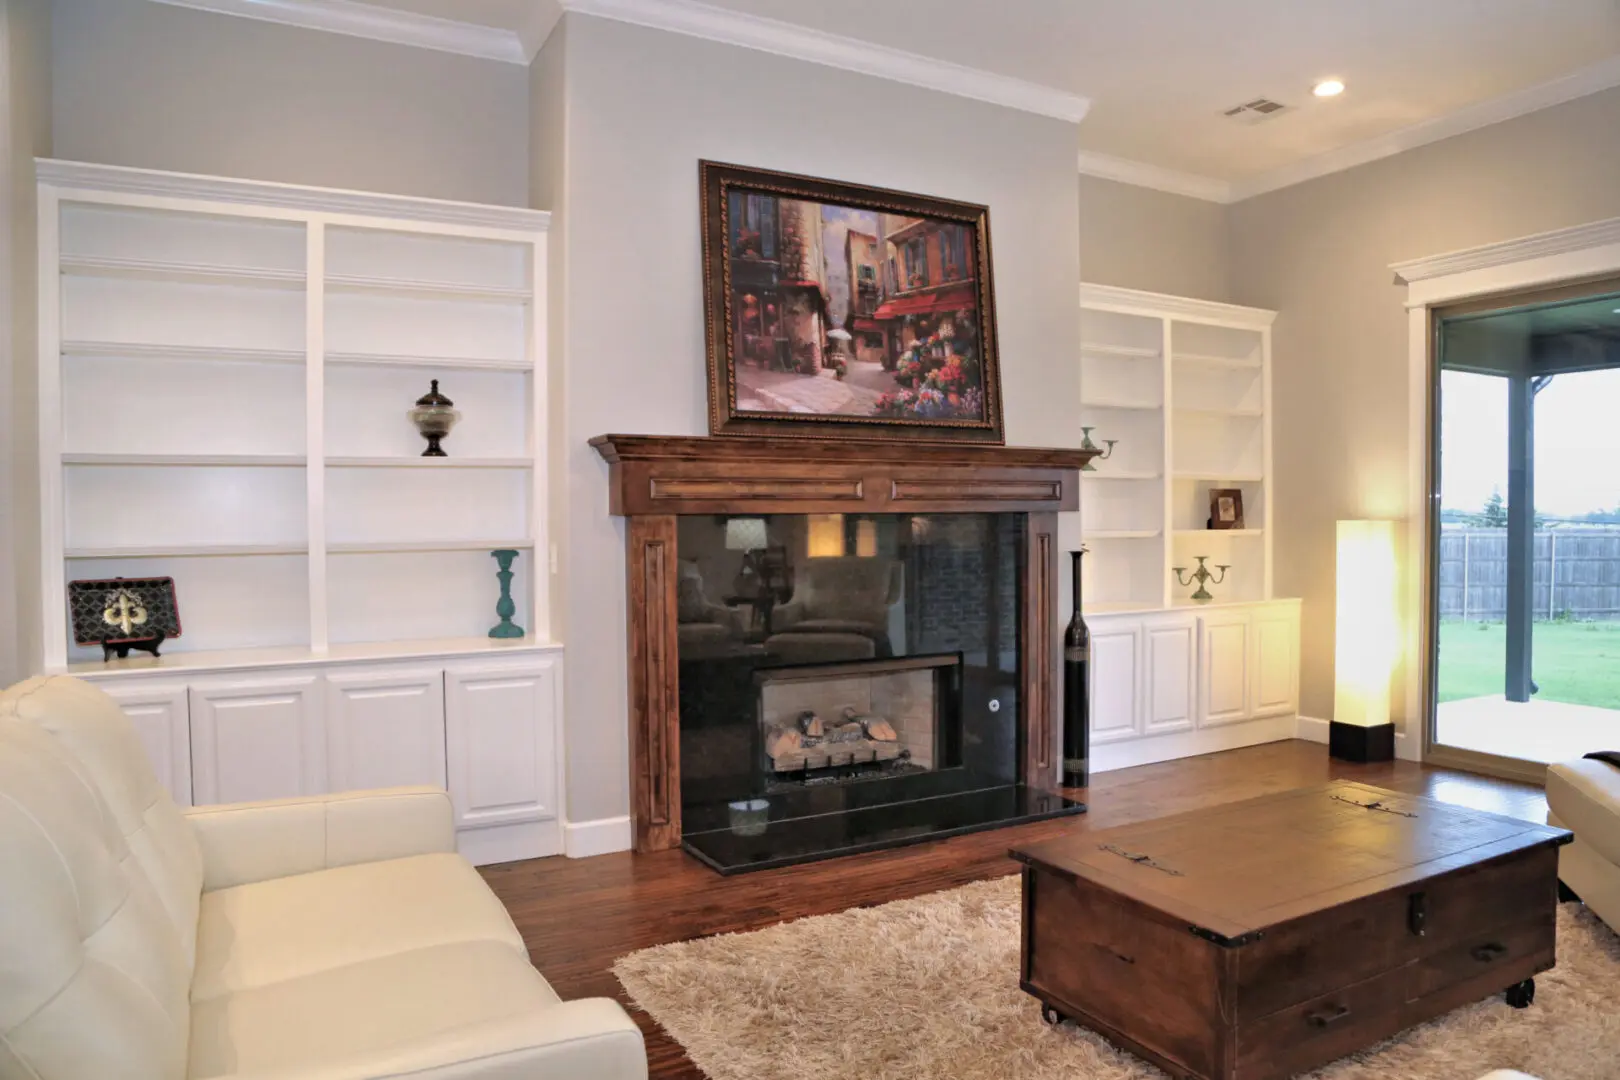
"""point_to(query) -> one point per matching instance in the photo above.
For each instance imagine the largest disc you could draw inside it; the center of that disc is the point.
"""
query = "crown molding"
(378, 24)
(1161, 305)
(1589, 80)
(1597, 234)
(1141, 174)
(833, 50)
(83, 176)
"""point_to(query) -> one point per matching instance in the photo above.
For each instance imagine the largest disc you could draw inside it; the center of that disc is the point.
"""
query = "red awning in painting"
(954, 299)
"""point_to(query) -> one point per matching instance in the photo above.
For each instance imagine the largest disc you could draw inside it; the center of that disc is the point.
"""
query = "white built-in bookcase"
(1185, 387)
(225, 372)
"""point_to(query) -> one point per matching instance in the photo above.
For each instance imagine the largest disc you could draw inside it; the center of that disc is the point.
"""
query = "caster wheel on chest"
(1051, 1016)
(1520, 995)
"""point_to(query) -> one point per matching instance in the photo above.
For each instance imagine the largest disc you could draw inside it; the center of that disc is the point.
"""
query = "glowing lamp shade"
(826, 536)
(1367, 623)
(745, 534)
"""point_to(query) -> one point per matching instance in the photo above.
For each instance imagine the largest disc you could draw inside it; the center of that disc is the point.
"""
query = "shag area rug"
(927, 989)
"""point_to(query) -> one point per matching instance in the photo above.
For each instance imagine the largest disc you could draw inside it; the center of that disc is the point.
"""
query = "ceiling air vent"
(1257, 111)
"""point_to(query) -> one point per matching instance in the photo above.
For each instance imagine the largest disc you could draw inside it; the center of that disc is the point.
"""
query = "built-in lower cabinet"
(1169, 684)
(485, 728)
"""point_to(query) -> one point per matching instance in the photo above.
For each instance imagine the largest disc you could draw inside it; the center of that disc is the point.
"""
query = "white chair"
(329, 938)
(1583, 796)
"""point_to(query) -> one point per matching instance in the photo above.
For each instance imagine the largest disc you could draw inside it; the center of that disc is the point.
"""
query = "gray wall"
(164, 87)
(642, 108)
(25, 133)
(1138, 238)
(1319, 252)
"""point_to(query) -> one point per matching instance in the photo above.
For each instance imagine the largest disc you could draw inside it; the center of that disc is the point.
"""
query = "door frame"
(1499, 274)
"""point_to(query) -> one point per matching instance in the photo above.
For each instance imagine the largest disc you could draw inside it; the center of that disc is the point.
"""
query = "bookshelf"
(1185, 388)
(225, 372)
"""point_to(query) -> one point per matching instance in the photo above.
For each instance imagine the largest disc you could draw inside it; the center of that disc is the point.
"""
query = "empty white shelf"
(428, 290)
(185, 273)
(185, 551)
(385, 360)
(1220, 532)
(1134, 406)
(153, 351)
(1119, 534)
(1103, 473)
(1137, 352)
(1212, 360)
(183, 459)
(1207, 411)
(1231, 477)
(371, 547)
(430, 462)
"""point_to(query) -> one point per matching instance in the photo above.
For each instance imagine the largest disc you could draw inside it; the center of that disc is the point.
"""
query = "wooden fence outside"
(1577, 574)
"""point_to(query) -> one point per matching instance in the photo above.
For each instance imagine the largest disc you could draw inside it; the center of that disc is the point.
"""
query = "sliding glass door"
(1526, 639)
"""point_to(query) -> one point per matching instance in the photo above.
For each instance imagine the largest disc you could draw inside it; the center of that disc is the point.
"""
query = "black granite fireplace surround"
(848, 682)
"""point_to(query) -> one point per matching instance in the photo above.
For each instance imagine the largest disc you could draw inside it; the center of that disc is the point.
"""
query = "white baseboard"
(602, 836)
(1155, 748)
(1313, 730)
(509, 843)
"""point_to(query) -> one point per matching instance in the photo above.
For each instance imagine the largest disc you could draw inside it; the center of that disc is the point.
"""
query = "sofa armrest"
(257, 841)
(589, 1039)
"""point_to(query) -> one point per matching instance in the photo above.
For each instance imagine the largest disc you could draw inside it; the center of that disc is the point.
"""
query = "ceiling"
(1159, 73)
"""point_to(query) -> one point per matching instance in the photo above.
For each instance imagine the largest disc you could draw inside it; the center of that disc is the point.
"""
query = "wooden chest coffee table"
(1266, 937)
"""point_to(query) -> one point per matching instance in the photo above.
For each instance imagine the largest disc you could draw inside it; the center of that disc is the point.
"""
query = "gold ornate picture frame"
(837, 311)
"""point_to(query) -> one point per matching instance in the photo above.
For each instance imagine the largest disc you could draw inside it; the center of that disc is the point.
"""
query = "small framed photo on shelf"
(120, 614)
(1225, 508)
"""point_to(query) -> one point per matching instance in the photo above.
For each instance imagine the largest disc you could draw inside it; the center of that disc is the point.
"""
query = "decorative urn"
(434, 416)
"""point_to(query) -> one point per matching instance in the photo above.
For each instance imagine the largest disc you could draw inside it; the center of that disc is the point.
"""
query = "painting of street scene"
(839, 311)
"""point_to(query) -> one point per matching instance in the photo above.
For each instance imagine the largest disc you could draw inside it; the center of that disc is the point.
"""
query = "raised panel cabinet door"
(1170, 677)
(1115, 682)
(1276, 660)
(162, 718)
(257, 738)
(500, 741)
(385, 728)
(1223, 668)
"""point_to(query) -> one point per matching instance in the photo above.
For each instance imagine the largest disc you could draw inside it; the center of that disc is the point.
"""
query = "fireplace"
(864, 720)
(838, 647)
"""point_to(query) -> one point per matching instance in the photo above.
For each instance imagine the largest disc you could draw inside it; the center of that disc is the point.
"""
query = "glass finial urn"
(434, 416)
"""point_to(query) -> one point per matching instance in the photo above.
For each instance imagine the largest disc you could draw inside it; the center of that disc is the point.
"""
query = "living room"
(726, 671)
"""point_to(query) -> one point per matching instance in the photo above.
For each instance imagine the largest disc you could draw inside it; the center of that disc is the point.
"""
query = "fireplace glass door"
(845, 679)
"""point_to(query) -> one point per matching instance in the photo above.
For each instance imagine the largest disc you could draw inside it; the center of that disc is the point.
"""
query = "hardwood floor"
(579, 915)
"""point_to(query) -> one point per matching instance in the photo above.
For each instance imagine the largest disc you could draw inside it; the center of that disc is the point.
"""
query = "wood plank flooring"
(579, 915)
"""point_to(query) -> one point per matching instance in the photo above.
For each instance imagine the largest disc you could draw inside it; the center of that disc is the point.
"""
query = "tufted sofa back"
(102, 879)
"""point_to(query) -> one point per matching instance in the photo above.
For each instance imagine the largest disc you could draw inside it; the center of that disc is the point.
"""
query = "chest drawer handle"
(1488, 952)
(1323, 1017)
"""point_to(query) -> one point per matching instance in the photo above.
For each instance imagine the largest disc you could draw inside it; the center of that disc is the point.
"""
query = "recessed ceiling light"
(1328, 88)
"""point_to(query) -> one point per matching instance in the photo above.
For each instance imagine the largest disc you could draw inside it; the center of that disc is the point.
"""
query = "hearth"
(838, 646)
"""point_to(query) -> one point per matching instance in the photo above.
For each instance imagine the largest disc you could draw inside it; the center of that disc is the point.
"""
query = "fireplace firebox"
(838, 647)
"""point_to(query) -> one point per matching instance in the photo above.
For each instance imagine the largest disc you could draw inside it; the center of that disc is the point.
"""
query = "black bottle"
(1076, 691)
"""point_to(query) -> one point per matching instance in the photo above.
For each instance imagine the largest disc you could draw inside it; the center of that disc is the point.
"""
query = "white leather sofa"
(1584, 797)
(331, 938)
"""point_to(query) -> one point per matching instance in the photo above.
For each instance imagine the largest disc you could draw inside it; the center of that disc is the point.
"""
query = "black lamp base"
(1351, 742)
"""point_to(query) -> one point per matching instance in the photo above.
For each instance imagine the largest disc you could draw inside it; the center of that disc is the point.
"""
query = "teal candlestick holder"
(504, 607)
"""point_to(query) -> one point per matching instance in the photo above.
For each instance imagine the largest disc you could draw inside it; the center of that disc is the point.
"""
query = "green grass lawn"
(1574, 662)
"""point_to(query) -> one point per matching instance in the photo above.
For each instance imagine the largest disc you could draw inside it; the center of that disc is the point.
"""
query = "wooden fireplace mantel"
(660, 474)
(655, 479)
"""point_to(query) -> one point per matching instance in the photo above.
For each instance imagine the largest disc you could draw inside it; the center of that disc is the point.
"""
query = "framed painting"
(1226, 508)
(840, 311)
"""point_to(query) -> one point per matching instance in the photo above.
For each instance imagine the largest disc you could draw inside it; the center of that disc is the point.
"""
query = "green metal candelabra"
(1202, 576)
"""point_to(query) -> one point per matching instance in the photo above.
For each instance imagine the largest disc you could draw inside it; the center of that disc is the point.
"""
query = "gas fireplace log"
(811, 724)
(829, 755)
(875, 727)
(780, 741)
(845, 733)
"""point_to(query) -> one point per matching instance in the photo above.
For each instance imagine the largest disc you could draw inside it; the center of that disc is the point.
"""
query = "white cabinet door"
(161, 716)
(1115, 680)
(1170, 674)
(1223, 667)
(1276, 660)
(385, 727)
(256, 738)
(501, 741)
